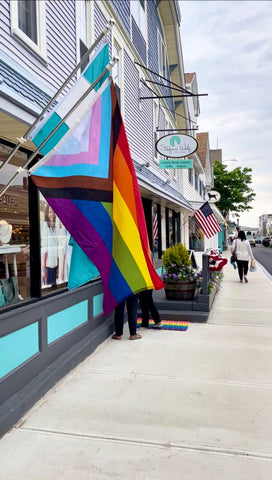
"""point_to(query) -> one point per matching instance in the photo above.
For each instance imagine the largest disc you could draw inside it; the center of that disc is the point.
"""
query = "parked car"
(266, 241)
(259, 240)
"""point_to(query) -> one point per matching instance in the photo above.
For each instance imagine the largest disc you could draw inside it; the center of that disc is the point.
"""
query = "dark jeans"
(51, 276)
(242, 268)
(132, 303)
(147, 305)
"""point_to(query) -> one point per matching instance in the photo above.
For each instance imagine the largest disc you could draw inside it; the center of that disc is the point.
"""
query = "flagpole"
(33, 155)
(23, 139)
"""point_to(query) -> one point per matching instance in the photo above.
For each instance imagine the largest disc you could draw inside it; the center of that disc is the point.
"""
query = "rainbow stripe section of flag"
(90, 182)
(207, 221)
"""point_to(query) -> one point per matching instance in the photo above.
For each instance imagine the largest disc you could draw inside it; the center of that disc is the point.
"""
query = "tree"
(234, 187)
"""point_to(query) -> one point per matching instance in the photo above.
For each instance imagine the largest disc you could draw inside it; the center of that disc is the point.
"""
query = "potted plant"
(178, 275)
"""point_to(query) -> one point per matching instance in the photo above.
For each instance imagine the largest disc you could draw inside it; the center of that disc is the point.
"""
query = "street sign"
(177, 163)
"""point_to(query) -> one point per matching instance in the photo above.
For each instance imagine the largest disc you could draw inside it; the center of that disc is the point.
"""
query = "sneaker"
(142, 328)
(245, 279)
(157, 325)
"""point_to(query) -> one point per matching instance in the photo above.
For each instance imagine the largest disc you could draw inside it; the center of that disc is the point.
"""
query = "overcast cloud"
(229, 46)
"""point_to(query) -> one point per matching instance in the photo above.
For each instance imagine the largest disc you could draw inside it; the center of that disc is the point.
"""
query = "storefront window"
(171, 227)
(196, 236)
(55, 249)
(14, 233)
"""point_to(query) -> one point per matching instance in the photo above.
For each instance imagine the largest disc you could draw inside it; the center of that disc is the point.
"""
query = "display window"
(55, 248)
(14, 234)
(196, 236)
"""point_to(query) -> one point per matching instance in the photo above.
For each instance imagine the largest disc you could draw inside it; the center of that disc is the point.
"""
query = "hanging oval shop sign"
(176, 146)
(212, 196)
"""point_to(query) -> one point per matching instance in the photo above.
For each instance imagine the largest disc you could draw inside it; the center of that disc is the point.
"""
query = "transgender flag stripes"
(96, 66)
(207, 221)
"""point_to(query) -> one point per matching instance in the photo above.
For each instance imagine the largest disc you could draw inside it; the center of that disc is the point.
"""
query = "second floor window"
(190, 175)
(27, 19)
(138, 10)
(162, 62)
(196, 181)
(28, 23)
(155, 126)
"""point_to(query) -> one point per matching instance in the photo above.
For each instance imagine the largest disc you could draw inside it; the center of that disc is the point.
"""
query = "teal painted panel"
(97, 304)
(159, 270)
(67, 320)
(17, 347)
(221, 236)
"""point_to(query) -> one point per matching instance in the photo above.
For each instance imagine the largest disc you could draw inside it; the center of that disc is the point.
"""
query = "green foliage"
(234, 188)
(177, 265)
(178, 255)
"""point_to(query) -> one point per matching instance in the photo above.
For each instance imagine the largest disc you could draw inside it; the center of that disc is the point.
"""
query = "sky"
(229, 46)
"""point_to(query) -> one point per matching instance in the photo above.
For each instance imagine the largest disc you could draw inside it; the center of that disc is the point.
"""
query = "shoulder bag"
(233, 258)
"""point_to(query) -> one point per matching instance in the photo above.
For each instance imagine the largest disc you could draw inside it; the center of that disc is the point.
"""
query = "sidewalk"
(192, 405)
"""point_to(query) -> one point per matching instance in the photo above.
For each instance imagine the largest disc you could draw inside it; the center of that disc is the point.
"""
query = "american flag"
(207, 221)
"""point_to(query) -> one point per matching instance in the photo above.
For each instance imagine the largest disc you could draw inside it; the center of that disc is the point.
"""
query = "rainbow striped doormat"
(167, 325)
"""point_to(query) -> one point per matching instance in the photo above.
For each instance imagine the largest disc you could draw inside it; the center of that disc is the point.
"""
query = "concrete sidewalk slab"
(185, 405)
(53, 455)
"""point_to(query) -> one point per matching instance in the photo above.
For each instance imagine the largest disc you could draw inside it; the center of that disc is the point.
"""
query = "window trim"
(190, 175)
(140, 16)
(156, 113)
(196, 180)
(162, 55)
(40, 47)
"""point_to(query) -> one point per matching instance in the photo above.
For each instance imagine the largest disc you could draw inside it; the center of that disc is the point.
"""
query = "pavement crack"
(115, 438)
(178, 378)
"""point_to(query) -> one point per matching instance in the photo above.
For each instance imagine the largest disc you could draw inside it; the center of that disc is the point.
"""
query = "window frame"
(162, 55)
(40, 47)
(190, 175)
(138, 12)
(196, 180)
(156, 112)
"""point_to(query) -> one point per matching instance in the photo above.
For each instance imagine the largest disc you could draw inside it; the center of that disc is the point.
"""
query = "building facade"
(48, 328)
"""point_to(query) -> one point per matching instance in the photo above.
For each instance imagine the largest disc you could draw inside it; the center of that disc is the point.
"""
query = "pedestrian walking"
(242, 249)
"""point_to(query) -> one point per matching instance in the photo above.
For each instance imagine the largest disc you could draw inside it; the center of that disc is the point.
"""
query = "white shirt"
(49, 245)
(243, 249)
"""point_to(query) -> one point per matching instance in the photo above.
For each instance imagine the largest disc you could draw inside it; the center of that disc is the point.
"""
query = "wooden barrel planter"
(180, 290)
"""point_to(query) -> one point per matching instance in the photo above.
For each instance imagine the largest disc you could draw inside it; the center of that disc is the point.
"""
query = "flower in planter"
(183, 272)
(177, 265)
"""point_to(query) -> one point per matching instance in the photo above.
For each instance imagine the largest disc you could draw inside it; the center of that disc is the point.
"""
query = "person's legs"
(152, 307)
(245, 270)
(240, 269)
(51, 275)
(143, 298)
(132, 303)
(119, 320)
